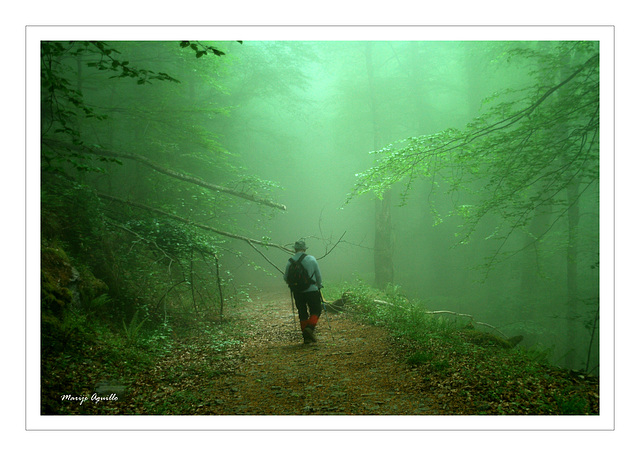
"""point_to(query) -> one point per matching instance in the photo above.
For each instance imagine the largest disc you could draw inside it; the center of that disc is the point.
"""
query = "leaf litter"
(355, 368)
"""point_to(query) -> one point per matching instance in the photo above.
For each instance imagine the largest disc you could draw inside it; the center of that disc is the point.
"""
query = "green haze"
(485, 171)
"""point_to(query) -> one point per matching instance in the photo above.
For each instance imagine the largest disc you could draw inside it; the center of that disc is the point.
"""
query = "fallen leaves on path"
(353, 369)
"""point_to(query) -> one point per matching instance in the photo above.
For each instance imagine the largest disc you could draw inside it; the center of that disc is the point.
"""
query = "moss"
(55, 276)
(54, 298)
(90, 287)
(60, 280)
(55, 263)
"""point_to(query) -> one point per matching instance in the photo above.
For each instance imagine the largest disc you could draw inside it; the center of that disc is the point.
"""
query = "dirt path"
(256, 364)
(353, 369)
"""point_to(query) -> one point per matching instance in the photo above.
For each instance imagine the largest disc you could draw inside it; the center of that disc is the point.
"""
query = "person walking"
(302, 274)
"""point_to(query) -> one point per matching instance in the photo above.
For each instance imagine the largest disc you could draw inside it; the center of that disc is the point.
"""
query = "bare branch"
(334, 246)
(142, 238)
(196, 224)
(265, 257)
(169, 172)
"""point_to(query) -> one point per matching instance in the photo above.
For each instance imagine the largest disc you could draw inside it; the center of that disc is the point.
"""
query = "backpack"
(298, 278)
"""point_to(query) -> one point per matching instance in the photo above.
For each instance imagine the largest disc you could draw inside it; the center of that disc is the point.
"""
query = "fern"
(132, 330)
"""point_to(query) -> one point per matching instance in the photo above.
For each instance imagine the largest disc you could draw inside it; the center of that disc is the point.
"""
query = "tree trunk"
(573, 213)
(383, 250)
(219, 282)
(530, 271)
(573, 216)
(192, 283)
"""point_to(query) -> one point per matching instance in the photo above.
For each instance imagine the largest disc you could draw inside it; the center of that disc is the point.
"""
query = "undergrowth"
(94, 352)
(469, 370)
(466, 374)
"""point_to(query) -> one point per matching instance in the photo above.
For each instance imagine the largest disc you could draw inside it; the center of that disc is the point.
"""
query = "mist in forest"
(297, 123)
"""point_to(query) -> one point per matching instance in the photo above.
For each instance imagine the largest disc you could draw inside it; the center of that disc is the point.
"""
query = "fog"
(298, 121)
(313, 138)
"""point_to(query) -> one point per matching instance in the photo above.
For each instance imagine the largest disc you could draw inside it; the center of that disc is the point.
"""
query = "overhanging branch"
(169, 172)
(196, 224)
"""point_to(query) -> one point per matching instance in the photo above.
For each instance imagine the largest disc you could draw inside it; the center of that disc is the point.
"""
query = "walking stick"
(293, 312)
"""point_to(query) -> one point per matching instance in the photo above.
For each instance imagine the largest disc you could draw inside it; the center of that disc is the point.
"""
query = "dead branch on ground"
(448, 312)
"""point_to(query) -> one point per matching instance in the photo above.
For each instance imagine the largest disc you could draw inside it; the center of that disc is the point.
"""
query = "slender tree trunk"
(383, 250)
(573, 216)
(191, 280)
(219, 282)
(530, 271)
(383, 253)
(572, 271)
(572, 247)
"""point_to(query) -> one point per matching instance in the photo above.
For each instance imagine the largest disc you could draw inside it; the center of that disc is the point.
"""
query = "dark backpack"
(298, 278)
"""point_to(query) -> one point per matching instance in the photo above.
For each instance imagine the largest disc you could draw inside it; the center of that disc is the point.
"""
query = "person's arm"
(318, 276)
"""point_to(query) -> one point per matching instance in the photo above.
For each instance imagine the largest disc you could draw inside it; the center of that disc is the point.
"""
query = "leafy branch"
(109, 62)
(63, 100)
(515, 158)
(202, 49)
(193, 223)
(400, 162)
(161, 169)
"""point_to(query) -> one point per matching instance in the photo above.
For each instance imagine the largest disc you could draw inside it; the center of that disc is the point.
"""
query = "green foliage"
(133, 330)
(472, 370)
(54, 298)
(66, 332)
(420, 357)
(570, 403)
(405, 318)
(132, 252)
(64, 101)
(201, 49)
(536, 353)
(529, 145)
(71, 213)
(98, 305)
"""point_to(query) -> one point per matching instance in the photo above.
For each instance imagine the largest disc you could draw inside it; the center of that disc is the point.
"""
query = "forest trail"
(255, 363)
(353, 369)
